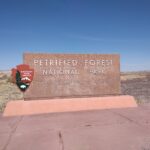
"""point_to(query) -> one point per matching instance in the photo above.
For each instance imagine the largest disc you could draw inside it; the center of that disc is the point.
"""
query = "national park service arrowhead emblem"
(22, 75)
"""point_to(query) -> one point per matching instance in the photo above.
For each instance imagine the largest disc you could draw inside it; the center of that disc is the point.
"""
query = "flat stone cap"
(32, 107)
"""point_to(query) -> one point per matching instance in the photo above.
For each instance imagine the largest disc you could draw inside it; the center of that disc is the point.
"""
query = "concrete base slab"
(109, 129)
(16, 108)
(47, 140)
(111, 137)
(4, 138)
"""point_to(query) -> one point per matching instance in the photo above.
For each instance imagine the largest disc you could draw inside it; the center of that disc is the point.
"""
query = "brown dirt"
(136, 84)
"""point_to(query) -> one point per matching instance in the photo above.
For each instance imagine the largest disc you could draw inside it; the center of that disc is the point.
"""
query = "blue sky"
(76, 26)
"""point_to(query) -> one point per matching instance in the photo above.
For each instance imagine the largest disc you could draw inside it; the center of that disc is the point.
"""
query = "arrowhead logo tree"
(22, 75)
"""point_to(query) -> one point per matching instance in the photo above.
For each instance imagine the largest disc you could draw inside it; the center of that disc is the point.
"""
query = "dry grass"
(136, 84)
(8, 90)
(134, 75)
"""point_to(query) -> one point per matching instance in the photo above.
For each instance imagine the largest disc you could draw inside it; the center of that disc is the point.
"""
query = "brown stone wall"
(70, 75)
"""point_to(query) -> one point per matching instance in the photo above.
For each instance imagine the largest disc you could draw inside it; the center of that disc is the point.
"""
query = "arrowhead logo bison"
(22, 75)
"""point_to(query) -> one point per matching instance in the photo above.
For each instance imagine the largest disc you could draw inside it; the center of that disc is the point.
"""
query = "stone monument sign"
(73, 75)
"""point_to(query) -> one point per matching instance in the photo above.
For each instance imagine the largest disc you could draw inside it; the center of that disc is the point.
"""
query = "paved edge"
(18, 108)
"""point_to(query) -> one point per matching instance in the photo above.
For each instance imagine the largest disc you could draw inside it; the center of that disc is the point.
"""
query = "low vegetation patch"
(8, 90)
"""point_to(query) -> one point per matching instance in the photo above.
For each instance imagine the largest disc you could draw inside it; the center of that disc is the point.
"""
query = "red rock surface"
(68, 75)
(15, 108)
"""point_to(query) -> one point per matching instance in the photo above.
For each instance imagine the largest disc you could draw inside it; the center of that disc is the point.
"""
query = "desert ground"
(136, 84)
